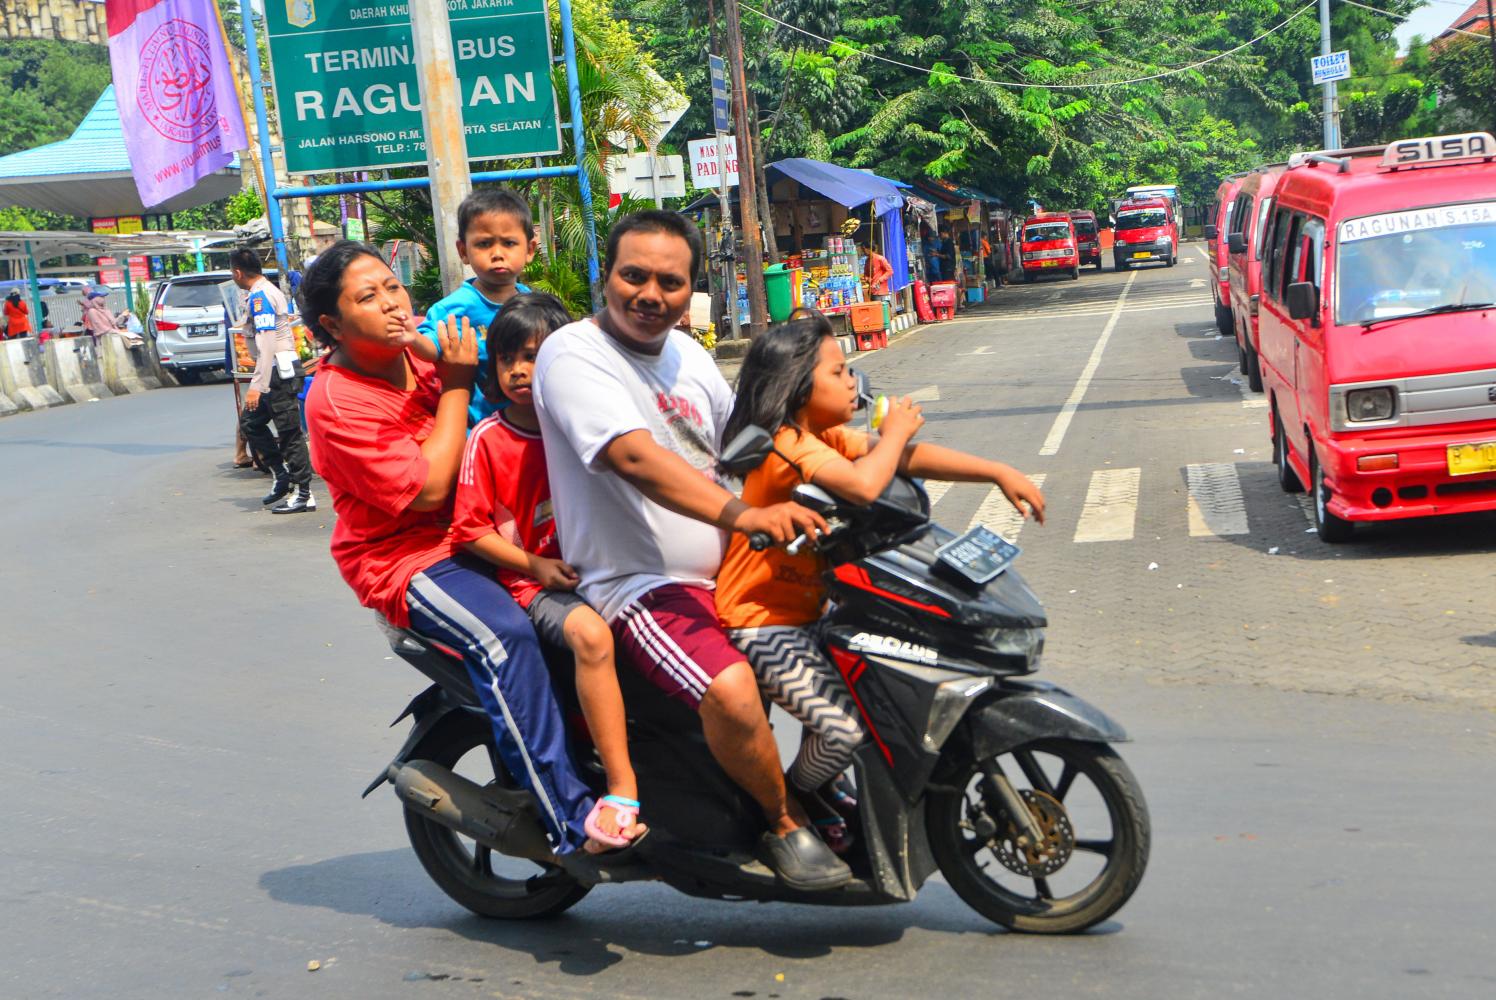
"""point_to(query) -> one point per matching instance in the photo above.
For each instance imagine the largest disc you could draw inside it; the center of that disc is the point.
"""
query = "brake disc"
(1051, 853)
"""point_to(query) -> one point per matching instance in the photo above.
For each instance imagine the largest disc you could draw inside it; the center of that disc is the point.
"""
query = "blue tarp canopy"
(848, 188)
(88, 174)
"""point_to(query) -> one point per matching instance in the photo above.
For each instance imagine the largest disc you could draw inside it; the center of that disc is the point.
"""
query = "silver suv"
(187, 322)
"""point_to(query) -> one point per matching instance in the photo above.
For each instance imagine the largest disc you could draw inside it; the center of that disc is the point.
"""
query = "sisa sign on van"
(348, 92)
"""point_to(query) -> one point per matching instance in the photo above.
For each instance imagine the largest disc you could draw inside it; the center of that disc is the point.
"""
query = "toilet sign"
(1335, 66)
(347, 87)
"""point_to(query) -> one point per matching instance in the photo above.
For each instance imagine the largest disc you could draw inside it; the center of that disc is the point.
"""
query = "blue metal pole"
(578, 139)
(272, 206)
(404, 183)
(36, 293)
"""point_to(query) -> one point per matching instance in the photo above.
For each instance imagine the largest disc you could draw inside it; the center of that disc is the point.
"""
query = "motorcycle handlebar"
(759, 540)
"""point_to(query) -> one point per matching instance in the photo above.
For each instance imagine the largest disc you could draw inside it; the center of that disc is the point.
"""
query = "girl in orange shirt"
(795, 383)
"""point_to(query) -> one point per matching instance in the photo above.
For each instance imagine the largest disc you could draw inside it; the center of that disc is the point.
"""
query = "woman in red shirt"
(386, 431)
(17, 316)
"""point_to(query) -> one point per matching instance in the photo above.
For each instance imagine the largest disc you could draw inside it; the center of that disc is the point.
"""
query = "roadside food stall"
(967, 217)
(825, 216)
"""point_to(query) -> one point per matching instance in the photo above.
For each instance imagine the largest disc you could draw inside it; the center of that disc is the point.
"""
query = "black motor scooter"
(1003, 783)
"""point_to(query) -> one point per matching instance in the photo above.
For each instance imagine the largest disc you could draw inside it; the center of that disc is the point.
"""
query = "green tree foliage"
(1461, 74)
(46, 87)
(1003, 94)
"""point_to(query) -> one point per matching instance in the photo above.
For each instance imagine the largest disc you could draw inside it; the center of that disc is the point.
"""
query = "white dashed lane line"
(1067, 412)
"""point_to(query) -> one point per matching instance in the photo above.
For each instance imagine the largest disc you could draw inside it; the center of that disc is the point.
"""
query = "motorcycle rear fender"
(428, 709)
(1022, 711)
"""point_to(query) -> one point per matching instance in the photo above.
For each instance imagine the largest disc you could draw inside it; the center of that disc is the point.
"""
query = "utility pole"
(1331, 111)
(753, 253)
(441, 120)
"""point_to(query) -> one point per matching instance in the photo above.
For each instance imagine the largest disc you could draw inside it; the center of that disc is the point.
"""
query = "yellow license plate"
(1048, 263)
(1142, 253)
(1469, 459)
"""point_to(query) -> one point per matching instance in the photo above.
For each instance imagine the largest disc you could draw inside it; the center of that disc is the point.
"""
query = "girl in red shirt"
(386, 431)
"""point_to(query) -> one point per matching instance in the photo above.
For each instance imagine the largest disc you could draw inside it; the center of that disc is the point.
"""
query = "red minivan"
(1378, 330)
(1145, 232)
(1087, 236)
(1216, 255)
(1254, 203)
(1049, 245)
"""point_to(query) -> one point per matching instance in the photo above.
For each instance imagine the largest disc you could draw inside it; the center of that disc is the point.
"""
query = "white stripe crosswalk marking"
(935, 489)
(1215, 501)
(1111, 508)
(1306, 506)
(999, 515)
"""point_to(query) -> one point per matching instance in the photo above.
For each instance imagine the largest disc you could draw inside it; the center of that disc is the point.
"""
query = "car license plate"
(201, 331)
(979, 555)
(1469, 459)
(1048, 263)
(1141, 253)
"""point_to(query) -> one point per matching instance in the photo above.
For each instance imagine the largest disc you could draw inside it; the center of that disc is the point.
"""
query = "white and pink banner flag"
(175, 91)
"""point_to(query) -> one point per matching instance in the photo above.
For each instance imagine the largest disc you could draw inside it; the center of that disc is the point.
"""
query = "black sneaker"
(802, 861)
(300, 500)
(279, 488)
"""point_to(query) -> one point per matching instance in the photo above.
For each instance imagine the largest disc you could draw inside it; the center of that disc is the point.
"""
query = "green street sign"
(347, 90)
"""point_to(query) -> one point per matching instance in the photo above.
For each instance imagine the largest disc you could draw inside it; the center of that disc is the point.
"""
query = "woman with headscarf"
(17, 317)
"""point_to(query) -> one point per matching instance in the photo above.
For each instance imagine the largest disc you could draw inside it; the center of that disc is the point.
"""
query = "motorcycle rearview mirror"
(747, 451)
(864, 390)
(812, 496)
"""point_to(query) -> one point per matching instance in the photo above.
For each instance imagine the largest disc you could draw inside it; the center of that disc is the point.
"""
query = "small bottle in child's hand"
(880, 410)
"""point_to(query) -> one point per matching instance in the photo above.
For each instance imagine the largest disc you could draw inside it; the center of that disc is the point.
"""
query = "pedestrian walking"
(273, 390)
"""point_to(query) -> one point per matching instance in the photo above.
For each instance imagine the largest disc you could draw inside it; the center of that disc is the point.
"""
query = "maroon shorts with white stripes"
(671, 636)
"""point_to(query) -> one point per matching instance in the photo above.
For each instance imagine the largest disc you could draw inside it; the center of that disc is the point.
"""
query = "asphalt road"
(192, 702)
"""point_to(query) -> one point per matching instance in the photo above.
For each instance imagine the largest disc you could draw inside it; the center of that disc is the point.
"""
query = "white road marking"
(1251, 400)
(1111, 508)
(1215, 501)
(1067, 412)
(1081, 312)
(983, 349)
(999, 515)
(935, 489)
(1306, 506)
(1197, 282)
(929, 394)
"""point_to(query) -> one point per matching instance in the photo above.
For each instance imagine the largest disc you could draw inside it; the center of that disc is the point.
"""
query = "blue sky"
(1430, 19)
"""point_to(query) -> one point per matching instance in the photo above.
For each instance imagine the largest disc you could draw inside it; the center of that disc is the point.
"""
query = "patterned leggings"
(794, 673)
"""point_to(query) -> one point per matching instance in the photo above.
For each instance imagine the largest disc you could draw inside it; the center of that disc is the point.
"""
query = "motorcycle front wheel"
(1095, 836)
(483, 880)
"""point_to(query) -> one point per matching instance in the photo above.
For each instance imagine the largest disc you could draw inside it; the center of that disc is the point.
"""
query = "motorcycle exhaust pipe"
(501, 818)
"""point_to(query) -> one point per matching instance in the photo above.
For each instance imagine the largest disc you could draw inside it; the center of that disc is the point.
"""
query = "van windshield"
(1143, 218)
(1046, 231)
(1085, 227)
(1411, 262)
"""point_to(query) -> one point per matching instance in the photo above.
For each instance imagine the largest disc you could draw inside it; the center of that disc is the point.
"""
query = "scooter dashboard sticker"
(894, 649)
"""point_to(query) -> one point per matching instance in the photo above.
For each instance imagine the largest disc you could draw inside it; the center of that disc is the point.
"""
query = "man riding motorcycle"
(632, 414)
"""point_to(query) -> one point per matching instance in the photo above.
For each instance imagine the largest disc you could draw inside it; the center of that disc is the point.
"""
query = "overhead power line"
(1043, 86)
(1392, 13)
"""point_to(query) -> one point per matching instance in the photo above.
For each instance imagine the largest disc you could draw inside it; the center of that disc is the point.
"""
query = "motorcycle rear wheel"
(1050, 768)
(483, 880)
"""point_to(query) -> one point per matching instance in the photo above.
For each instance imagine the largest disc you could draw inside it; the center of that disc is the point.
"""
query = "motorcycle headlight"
(1379, 403)
(1023, 642)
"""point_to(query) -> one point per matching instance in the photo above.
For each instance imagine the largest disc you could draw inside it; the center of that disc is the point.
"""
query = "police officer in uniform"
(273, 391)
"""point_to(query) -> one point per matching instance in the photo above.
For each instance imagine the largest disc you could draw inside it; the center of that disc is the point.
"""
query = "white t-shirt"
(589, 389)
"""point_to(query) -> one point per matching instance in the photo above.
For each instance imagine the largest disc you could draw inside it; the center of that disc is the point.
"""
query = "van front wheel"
(1330, 528)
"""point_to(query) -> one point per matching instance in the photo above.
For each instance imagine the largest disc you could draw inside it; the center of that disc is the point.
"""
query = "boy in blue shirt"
(496, 238)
